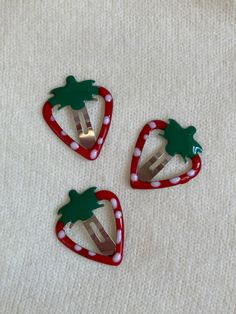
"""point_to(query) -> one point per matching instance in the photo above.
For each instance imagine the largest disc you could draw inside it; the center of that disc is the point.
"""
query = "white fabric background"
(159, 59)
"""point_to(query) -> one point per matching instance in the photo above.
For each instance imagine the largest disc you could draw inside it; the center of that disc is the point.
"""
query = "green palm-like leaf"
(181, 141)
(80, 206)
(74, 93)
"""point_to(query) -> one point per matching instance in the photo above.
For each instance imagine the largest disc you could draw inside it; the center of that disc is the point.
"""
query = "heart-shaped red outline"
(134, 180)
(93, 153)
(114, 259)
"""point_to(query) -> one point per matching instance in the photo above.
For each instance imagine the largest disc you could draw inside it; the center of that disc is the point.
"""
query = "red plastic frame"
(158, 184)
(93, 153)
(114, 259)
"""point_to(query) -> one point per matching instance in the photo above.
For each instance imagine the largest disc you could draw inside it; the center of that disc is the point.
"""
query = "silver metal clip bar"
(106, 245)
(153, 166)
(86, 133)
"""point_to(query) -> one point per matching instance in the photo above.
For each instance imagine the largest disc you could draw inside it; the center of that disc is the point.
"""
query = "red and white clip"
(179, 141)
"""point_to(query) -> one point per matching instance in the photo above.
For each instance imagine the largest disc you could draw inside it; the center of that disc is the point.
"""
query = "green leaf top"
(180, 140)
(80, 206)
(74, 93)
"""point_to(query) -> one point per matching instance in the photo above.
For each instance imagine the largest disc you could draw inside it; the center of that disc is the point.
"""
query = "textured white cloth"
(159, 59)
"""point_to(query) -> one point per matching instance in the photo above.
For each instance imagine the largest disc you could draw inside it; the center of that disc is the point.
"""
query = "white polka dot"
(191, 173)
(106, 120)
(100, 140)
(118, 214)
(77, 247)
(155, 184)
(52, 118)
(90, 253)
(175, 180)
(108, 97)
(118, 236)
(74, 145)
(93, 154)
(152, 125)
(134, 177)
(61, 234)
(63, 133)
(137, 152)
(145, 137)
(114, 203)
(116, 258)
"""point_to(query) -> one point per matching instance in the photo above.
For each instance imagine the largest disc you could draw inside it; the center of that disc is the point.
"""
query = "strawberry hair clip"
(180, 141)
(81, 207)
(74, 95)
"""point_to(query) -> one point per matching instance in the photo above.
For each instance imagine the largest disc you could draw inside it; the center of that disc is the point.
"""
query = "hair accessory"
(179, 141)
(81, 207)
(74, 94)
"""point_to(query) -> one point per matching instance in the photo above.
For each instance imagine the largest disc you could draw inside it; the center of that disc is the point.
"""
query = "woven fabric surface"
(160, 60)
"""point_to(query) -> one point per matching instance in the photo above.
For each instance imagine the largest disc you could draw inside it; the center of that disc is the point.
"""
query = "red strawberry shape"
(74, 94)
(81, 207)
(180, 141)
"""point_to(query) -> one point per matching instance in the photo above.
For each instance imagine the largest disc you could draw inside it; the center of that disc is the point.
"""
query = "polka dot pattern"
(175, 180)
(152, 125)
(77, 247)
(61, 234)
(93, 154)
(134, 177)
(116, 258)
(90, 253)
(106, 120)
(118, 236)
(118, 214)
(108, 98)
(136, 183)
(114, 203)
(48, 115)
(155, 184)
(100, 140)
(74, 145)
(191, 173)
(137, 152)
